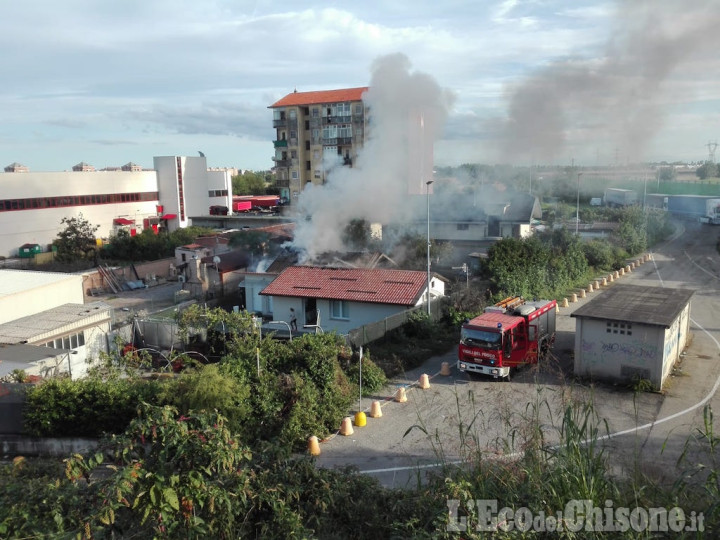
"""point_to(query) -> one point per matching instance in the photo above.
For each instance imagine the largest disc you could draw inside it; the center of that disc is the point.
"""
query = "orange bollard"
(400, 396)
(346, 427)
(375, 410)
(424, 381)
(445, 369)
(313, 446)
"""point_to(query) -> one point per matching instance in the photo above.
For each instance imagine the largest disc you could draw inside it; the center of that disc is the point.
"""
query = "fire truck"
(514, 332)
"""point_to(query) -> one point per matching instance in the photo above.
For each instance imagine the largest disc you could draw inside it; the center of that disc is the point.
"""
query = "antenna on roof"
(295, 91)
(201, 154)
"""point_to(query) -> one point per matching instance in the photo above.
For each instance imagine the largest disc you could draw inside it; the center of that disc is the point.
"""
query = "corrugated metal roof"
(376, 285)
(52, 320)
(320, 97)
(658, 306)
(15, 281)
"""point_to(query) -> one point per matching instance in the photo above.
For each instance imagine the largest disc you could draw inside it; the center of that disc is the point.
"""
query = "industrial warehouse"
(33, 204)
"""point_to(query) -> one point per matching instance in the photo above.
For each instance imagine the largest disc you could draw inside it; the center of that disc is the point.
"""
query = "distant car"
(218, 210)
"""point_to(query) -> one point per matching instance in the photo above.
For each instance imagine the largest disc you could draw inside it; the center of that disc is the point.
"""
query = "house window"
(294, 175)
(339, 309)
(315, 112)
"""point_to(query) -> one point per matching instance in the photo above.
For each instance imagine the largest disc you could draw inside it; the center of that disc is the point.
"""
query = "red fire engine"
(512, 333)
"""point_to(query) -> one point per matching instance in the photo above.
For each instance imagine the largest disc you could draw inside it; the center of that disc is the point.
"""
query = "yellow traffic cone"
(360, 419)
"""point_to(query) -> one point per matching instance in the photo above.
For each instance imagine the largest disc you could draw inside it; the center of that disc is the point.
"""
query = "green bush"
(373, 377)
(84, 408)
(208, 389)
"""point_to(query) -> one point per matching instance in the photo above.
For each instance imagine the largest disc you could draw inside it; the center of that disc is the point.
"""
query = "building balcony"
(338, 119)
(285, 183)
(281, 162)
(280, 123)
(280, 144)
(337, 141)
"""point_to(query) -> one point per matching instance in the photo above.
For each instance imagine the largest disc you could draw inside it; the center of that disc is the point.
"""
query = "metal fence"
(370, 332)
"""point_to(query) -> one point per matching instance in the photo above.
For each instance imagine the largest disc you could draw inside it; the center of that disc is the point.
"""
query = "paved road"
(460, 414)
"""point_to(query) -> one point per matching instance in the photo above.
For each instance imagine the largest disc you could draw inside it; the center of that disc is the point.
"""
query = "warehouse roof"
(656, 306)
(15, 281)
(62, 317)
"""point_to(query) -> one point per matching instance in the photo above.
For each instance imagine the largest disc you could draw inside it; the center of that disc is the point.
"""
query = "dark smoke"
(614, 103)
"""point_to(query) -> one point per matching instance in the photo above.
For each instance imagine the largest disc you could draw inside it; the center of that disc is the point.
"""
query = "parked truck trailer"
(616, 197)
(702, 208)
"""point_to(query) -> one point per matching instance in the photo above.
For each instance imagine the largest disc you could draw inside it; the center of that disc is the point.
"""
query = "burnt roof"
(656, 306)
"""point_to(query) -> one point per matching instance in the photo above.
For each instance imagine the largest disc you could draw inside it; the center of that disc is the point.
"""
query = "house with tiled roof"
(341, 299)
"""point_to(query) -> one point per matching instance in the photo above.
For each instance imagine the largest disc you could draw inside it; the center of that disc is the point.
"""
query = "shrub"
(373, 378)
(208, 389)
(84, 408)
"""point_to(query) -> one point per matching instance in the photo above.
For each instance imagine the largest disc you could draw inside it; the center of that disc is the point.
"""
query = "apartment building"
(316, 132)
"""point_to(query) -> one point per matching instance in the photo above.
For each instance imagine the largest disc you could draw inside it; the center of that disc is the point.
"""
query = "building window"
(294, 175)
(307, 166)
(463, 226)
(315, 112)
(293, 154)
(307, 145)
(339, 309)
(618, 328)
(307, 125)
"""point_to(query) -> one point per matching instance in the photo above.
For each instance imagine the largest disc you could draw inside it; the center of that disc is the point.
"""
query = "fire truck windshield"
(480, 338)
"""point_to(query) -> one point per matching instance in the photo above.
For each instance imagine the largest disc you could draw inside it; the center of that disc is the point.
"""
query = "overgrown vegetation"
(173, 475)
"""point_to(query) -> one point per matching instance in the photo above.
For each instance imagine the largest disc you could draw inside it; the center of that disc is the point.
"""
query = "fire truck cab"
(510, 334)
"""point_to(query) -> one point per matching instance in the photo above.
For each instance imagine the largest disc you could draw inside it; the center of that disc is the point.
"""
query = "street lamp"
(286, 324)
(577, 206)
(427, 189)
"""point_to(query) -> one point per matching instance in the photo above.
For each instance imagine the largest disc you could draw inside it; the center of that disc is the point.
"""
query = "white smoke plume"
(613, 104)
(376, 187)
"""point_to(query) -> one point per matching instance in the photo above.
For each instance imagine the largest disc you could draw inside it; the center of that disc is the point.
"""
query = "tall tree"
(249, 183)
(77, 240)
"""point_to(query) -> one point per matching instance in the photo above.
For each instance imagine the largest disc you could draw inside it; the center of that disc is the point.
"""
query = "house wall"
(254, 283)
(622, 354)
(359, 313)
(457, 230)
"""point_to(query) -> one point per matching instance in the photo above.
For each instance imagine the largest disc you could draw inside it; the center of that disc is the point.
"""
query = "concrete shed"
(632, 332)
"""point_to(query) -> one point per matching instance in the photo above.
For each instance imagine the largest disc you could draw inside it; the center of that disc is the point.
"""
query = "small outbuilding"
(632, 332)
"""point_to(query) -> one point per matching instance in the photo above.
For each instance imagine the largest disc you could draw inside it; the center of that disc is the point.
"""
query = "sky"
(535, 82)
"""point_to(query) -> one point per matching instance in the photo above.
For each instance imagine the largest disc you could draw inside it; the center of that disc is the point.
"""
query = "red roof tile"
(321, 96)
(375, 285)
